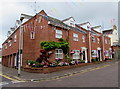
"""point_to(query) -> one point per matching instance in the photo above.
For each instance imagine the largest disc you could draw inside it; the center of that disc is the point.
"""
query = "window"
(10, 42)
(83, 38)
(59, 54)
(15, 38)
(6, 46)
(58, 34)
(76, 55)
(98, 40)
(106, 53)
(94, 52)
(93, 39)
(75, 37)
(105, 41)
(32, 35)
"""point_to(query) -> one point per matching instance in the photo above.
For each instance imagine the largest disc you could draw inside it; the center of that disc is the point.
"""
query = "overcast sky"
(97, 12)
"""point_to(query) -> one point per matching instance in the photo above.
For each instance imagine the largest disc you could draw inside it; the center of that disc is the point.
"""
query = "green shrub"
(82, 61)
(31, 62)
(93, 60)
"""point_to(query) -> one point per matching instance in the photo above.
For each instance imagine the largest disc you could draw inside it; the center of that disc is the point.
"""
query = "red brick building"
(42, 27)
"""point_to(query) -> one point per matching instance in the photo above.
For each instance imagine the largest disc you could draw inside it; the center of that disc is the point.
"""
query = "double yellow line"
(5, 76)
(59, 77)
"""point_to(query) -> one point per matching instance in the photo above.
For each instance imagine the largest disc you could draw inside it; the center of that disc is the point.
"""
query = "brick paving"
(11, 72)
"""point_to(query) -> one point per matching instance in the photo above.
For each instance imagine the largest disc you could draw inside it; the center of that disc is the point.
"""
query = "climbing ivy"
(49, 45)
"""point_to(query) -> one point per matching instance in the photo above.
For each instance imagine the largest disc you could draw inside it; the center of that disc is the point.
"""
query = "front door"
(99, 57)
(84, 55)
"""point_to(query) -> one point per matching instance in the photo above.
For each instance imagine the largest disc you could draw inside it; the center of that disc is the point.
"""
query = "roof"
(108, 31)
(96, 27)
(83, 23)
(68, 19)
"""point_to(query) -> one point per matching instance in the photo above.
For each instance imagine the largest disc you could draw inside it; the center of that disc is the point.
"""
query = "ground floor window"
(94, 53)
(76, 54)
(58, 54)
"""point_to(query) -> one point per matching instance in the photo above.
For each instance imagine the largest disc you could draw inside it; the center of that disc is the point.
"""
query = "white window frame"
(93, 39)
(15, 38)
(58, 54)
(5, 45)
(105, 41)
(107, 53)
(58, 33)
(32, 35)
(83, 38)
(75, 37)
(94, 54)
(10, 42)
(98, 40)
(76, 55)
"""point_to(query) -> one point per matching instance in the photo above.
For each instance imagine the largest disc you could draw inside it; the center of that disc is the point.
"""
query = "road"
(106, 76)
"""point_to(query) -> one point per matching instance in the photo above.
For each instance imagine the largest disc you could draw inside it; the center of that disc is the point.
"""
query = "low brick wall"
(52, 69)
(58, 68)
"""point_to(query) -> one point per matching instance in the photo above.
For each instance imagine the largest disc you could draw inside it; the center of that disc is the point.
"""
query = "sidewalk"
(11, 72)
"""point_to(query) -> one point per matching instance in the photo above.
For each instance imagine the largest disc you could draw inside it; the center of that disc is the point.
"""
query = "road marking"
(8, 77)
(75, 73)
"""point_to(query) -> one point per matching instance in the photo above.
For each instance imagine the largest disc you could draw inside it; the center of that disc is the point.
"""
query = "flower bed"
(52, 69)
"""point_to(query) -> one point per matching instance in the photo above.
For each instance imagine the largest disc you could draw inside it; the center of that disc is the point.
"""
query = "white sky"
(97, 12)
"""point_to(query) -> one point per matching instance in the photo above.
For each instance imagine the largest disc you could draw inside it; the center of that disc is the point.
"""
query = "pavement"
(11, 73)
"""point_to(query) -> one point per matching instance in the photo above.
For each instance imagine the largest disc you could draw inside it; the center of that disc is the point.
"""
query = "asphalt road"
(99, 77)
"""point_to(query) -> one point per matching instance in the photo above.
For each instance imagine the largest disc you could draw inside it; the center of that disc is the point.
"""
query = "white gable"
(86, 26)
(70, 22)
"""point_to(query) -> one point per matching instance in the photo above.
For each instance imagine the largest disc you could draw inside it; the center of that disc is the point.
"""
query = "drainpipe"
(103, 47)
(89, 45)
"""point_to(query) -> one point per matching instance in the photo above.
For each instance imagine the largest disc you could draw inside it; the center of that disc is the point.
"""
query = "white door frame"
(100, 53)
(84, 49)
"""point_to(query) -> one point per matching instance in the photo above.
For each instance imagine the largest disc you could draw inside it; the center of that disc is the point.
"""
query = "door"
(99, 57)
(118, 54)
(84, 55)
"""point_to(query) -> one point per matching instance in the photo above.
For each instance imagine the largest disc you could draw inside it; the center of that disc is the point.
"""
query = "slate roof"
(68, 19)
(59, 23)
(83, 23)
(108, 31)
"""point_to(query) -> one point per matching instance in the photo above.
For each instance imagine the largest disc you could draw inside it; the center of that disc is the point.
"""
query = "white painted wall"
(114, 37)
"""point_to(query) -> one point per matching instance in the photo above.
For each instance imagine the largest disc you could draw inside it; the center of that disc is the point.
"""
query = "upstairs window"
(75, 37)
(105, 41)
(58, 54)
(32, 35)
(10, 42)
(83, 38)
(6, 46)
(93, 39)
(58, 34)
(98, 40)
(15, 38)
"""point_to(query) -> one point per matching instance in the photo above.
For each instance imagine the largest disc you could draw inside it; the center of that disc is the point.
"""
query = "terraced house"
(85, 42)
